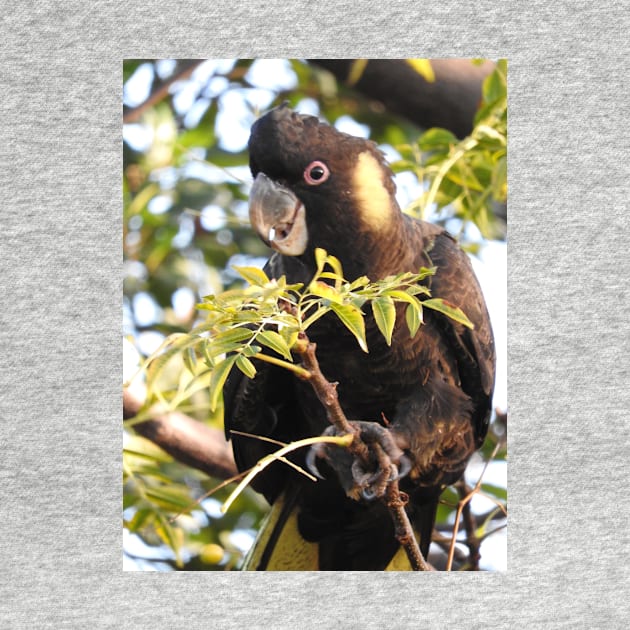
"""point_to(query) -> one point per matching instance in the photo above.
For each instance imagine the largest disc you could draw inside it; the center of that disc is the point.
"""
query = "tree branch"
(184, 70)
(472, 542)
(450, 101)
(184, 438)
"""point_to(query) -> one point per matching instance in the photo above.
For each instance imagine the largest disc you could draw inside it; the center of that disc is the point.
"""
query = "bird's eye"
(316, 173)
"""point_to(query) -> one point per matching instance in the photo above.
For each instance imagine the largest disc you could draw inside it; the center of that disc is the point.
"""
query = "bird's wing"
(474, 350)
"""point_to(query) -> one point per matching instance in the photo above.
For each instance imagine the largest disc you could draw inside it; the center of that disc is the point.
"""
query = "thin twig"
(463, 503)
(262, 463)
(396, 501)
(327, 394)
(472, 541)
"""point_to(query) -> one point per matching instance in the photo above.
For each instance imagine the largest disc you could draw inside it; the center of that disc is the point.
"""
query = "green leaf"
(138, 446)
(488, 132)
(255, 276)
(228, 340)
(245, 366)
(436, 138)
(276, 342)
(140, 519)
(171, 536)
(413, 317)
(384, 316)
(463, 176)
(323, 290)
(219, 375)
(289, 335)
(330, 275)
(358, 283)
(356, 70)
(494, 490)
(499, 179)
(423, 68)
(494, 86)
(352, 318)
(199, 382)
(334, 262)
(250, 351)
(320, 259)
(175, 344)
(403, 296)
(450, 310)
(173, 498)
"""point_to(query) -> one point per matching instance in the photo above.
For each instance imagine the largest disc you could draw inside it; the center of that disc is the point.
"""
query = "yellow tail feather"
(290, 551)
(280, 547)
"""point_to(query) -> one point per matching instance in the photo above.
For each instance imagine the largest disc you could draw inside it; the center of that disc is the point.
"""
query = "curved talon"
(310, 463)
(358, 474)
(404, 466)
(393, 473)
(368, 494)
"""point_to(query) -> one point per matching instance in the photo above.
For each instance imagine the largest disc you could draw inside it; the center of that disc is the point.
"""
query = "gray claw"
(311, 456)
(368, 494)
(402, 471)
(404, 467)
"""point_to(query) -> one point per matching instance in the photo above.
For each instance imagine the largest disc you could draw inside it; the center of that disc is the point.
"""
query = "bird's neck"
(378, 253)
(375, 250)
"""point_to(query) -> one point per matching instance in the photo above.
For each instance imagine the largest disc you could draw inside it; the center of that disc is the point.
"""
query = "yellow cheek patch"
(372, 197)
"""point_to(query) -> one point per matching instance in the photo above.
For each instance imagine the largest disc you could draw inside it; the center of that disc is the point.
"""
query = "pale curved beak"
(278, 216)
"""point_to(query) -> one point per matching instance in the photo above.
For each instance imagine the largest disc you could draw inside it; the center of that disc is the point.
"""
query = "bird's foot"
(368, 466)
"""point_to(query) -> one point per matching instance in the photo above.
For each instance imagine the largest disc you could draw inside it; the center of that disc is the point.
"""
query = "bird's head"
(315, 186)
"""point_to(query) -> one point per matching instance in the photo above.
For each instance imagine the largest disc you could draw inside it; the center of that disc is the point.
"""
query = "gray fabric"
(60, 332)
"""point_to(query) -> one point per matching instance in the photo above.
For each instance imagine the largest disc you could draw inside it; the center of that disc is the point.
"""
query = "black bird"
(317, 187)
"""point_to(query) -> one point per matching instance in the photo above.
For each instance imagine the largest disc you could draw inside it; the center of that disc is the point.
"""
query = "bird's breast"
(370, 384)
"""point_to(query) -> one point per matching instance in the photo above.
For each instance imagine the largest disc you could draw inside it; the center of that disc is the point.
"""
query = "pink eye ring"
(316, 173)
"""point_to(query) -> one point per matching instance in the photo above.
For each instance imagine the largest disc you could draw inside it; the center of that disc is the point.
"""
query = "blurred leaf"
(138, 446)
(212, 553)
(228, 340)
(424, 68)
(171, 536)
(437, 139)
(494, 86)
(219, 375)
(173, 498)
(499, 179)
(496, 491)
(356, 71)
(140, 519)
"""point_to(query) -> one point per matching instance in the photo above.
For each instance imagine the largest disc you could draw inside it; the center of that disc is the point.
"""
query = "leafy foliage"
(470, 175)
(161, 510)
(271, 314)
